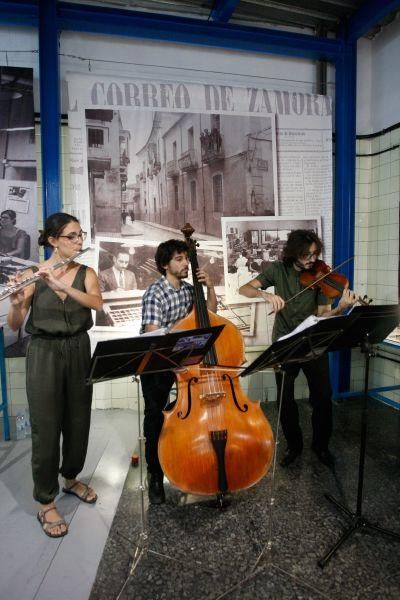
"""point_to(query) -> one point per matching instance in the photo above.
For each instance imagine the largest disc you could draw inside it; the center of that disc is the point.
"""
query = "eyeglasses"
(310, 255)
(73, 237)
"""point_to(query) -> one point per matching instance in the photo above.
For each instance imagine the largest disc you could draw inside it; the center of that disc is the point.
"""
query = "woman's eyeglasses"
(73, 237)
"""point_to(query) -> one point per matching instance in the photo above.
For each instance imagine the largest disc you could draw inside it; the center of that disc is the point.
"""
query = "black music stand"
(371, 324)
(303, 346)
(149, 353)
(363, 326)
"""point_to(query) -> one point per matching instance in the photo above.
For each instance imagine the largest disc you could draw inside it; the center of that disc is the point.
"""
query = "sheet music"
(161, 331)
(308, 322)
(313, 320)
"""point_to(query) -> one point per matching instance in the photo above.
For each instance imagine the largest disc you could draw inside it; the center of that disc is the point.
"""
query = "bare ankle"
(48, 506)
(69, 482)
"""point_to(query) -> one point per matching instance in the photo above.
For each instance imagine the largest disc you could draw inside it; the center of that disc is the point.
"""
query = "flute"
(12, 289)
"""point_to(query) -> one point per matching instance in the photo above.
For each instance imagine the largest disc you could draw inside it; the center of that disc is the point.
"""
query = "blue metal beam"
(369, 15)
(26, 12)
(49, 108)
(223, 10)
(110, 21)
(345, 161)
(19, 12)
(344, 203)
(4, 396)
(101, 20)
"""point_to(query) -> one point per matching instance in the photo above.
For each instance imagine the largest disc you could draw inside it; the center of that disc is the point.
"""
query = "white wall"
(378, 80)
(364, 79)
(378, 188)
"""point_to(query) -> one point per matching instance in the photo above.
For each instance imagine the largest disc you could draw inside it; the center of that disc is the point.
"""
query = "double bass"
(215, 439)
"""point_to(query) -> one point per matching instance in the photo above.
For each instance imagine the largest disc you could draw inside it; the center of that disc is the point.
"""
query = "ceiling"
(317, 17)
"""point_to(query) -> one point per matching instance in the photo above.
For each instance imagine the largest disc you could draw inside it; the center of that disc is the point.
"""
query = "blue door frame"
(51, 17)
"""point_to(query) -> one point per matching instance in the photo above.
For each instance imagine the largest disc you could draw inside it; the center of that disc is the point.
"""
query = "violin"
(331, 283)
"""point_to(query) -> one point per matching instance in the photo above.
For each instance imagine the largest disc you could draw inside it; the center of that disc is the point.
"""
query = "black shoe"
(289, 457)
(156, 488)
(325, 456)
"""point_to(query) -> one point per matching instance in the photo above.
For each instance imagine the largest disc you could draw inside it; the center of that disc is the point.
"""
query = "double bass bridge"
(217, 395)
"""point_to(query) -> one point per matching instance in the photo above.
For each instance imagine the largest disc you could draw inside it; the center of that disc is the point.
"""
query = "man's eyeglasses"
(310, 255)
(73, 237)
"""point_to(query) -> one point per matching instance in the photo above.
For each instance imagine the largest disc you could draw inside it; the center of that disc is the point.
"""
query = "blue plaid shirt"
(163, 304)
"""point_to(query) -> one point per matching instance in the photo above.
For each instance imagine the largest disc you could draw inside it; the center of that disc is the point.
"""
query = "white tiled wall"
(377, 243)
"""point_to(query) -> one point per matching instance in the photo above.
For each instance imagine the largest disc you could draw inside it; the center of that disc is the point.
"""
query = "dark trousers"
(156, 389)
(318, 378)
(59, 404)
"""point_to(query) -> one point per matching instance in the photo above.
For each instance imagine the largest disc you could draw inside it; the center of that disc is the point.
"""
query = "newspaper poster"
(146, 157)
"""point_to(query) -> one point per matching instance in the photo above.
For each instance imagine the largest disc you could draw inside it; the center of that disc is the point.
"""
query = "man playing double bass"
(165, 302)
(302, 249)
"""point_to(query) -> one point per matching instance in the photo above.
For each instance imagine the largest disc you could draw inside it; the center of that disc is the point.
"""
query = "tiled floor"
(195, 551)
(32, 566)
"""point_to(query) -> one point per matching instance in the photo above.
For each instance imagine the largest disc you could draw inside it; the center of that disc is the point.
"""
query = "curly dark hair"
(166, 251)
(54, 226)
(298, 243)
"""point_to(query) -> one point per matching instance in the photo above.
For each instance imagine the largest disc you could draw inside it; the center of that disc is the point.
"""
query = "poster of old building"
(148, 172)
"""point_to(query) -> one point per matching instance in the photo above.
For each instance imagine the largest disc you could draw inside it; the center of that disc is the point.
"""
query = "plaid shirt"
(163, 305)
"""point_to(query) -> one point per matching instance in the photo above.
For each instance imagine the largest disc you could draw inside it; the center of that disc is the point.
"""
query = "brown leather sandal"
(84, 495)
(48, 526)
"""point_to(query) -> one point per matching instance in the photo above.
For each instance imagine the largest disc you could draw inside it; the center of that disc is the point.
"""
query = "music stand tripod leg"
(142, 540)
(141, 440)
(358, 521)
(268, 544)
(141, 547)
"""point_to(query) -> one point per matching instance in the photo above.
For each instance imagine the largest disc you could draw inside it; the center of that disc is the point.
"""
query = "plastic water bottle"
(20, 423)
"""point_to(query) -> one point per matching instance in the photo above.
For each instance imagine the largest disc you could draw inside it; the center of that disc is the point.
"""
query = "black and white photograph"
(251, 243)
(125, 269)
(242, 314)
(18, 206)
(149, 172)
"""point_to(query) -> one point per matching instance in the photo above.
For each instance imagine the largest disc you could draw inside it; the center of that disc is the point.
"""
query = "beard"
(304, 266)
(181, 274)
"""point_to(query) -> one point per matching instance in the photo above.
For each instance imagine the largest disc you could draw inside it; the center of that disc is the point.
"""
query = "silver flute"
(8, 290)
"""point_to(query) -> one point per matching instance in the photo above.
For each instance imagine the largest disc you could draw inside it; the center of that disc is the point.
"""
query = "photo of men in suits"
(118, 277)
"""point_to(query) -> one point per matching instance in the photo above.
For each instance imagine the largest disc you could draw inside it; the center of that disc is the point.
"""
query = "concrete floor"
(192, 550)
(33, 566)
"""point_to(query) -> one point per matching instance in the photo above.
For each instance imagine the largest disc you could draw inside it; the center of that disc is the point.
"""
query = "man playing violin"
(165, 302)
(302, 249)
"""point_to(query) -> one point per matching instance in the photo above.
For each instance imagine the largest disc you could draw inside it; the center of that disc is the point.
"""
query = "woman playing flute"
(59, 304)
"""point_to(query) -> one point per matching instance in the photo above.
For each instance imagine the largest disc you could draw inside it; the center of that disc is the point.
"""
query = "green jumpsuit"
(58, 358)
